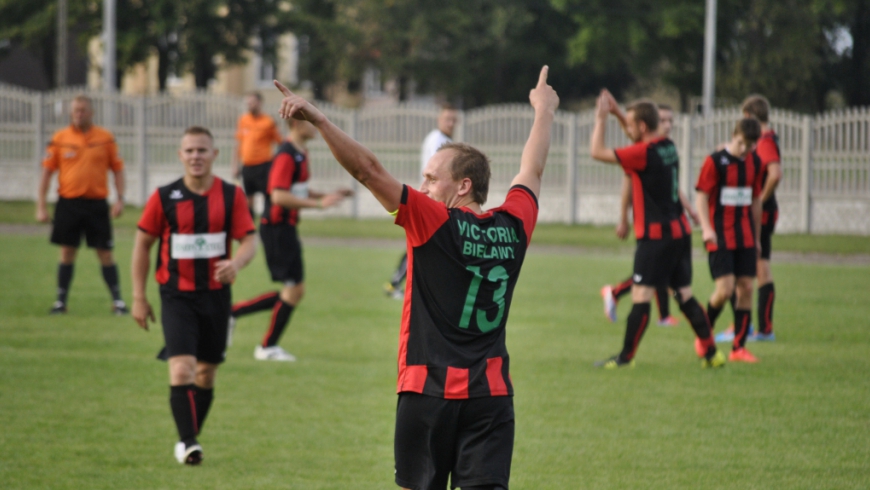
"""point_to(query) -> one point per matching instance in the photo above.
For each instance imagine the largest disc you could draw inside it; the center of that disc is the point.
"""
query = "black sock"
(64, 278)
(182, 401)
(636, 325)
(713, 314)
(622, 288)
(280, 318)
(766, 295)
(741, 327)
(663, 302)
(401, 272)
(110, 275)
(263, 302)
(700, 324)
(203, 398)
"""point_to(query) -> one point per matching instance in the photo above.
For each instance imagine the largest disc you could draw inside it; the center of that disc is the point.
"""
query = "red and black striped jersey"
(195, 232)
(462, 270)
(654, 168)
(731, 184)
(289, 172)
(768, 149)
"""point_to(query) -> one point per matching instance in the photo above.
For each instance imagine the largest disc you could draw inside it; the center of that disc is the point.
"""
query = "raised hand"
(543, 97)
(297, 107)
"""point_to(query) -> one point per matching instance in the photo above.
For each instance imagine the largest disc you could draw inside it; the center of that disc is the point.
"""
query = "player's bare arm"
(757, 205)
(702, 201)
(617, 112)
(225, 270)
(774, 175)
(120, 187)
(624, 203)
(317, 200)
(545, 101)
(41, 205)
(597, 149)
(141, 264)
(358, 160)
(689, 208)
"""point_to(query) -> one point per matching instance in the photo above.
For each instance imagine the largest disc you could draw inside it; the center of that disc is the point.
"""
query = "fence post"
(142, 149)
(686, 155)
(38, 132)
(572, 168)
(459, 133)
(806, 174)
(351, 131)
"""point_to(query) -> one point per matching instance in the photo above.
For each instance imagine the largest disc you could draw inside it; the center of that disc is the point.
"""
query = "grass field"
(83, 403)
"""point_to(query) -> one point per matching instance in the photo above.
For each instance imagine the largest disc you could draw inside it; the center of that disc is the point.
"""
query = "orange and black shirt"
(195, 231)
(654, 168)
(289, 172)
(768, 149)
(83, 159)
(731, 184)
(255, 136)
(462, 270)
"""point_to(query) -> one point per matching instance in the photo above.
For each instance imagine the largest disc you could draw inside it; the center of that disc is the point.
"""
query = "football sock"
(64, 278)
(636, 325)
(110, 275)
(741, 327)
(182, 401)
(700, 324)
(663, 303)
(280, 318)
(622, 288)
(203, 398)
(713, 313)
(401, 272)
(766, 295)
(263, 302)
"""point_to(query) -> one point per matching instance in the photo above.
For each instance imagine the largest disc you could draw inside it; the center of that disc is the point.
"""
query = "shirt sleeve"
(242, 223)
(757, 180)
(239, 127)
(52, 156)
(420, 216)
(767, 151)
(281, 174)
(708, 179)
(153, 219)
(632, 157)
(115, 162)
(522, 203)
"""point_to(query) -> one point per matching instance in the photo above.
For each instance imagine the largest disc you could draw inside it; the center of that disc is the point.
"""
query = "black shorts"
(664, 263)
(741, 262)
(255, 178)
(471, 440)
(74, 217)
(195, 323)
(768, 224)
(283, 253)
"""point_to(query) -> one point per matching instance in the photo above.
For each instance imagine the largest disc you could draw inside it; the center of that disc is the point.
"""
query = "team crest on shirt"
(724, 160)
(299, 158)
(176, 194)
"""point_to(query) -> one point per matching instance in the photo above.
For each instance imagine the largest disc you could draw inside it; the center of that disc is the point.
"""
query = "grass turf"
(83, 403)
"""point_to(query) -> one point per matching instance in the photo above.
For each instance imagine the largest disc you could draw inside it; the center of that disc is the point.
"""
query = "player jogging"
(455, 415)
(195, 220)
(664, 247)
(436, 138)
(287, 194)
(83, 154)
(611, 294)
(255, 134)
(729, 190)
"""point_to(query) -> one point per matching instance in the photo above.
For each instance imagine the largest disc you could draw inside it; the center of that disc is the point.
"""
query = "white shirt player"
(433, 141)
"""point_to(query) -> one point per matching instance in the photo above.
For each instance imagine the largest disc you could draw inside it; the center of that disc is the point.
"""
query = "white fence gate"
(825, 158)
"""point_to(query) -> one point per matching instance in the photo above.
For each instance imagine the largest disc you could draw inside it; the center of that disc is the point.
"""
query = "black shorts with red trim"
(741, 262)
(283, 253)
(75, 217)
(471, 441)
(195, 323)
(768, 224)
(255, 178)
(663, 263)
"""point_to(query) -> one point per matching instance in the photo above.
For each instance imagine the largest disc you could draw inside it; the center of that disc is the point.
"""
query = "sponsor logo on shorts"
(199, 245)
(637, 278)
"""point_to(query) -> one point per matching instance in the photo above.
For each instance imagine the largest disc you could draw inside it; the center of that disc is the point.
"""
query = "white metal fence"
(825, 158)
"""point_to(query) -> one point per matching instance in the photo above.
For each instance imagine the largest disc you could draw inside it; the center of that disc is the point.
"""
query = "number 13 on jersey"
(497, 275)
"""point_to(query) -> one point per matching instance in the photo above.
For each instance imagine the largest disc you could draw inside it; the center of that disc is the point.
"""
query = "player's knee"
(292, 295)
(68, 254)
(182, 370)
(205, 374)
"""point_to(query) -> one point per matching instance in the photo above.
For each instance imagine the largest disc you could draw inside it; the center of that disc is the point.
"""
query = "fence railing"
(825, 158)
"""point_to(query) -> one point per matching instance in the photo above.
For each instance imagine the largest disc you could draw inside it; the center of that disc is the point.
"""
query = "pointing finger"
(284, 90)
(542, 79)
